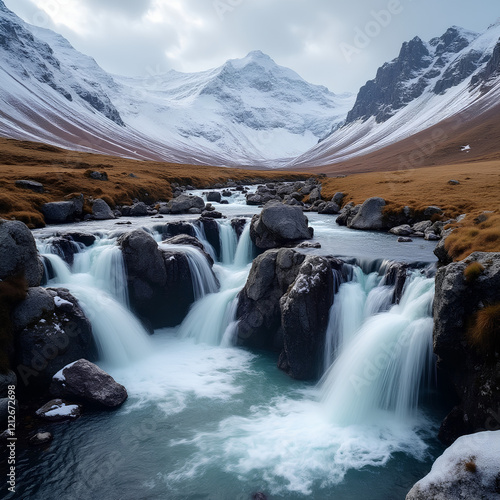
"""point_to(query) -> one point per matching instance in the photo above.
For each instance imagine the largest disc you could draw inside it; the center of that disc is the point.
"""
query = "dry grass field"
(64, 173)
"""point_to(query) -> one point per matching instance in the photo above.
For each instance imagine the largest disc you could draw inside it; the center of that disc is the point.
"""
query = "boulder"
(305, 309)
(159, 282)
(315, 195)
(404, 230)
(175, 229)
(34, 186)
(184, 239)
(215, 196)
(88, 383)
(468, 469)
(139, 210)
(338, 198)
(239, 226)
(98, 176)
(58, 410)
(432, 210)
(51, 331)
(18, 253)
(65, 247)
(60, 212)
(212, 214)
(422, 227)
(347, 214)
(404, 239)
(212, 234)
(101, 210)
(279, 224)
(329, 208)
(370, 215)
(467, 346)
(86, 239)
(183, 203)
(258, 308)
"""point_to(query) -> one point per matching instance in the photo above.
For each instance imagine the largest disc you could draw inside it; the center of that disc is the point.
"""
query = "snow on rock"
(469, 469)
(61, 302)
(57, 409)
(60, 375)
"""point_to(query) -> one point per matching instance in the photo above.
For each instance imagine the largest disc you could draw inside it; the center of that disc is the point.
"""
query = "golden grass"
(64, 172)
(473, 271)
(484, 332)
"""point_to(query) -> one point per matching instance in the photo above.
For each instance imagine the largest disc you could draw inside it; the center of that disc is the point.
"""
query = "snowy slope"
(247, 112)
(427, 84)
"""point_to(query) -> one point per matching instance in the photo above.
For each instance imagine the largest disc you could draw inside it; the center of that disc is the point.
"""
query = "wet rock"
(396, 275)
(212, 215)
(422, 227)
(101, 210)
(471, 368)
(347, 214)
(278, 225)
(66, 248)
(307, 244)
(431, 236)
(238, 225)
(34, 186)
(175, 228)
(86, 239)
(51, 331)
(18, 253)
(338, 198)
(370, 215)
(184, 239)
(58, 410)
(214, 197)
(212, 233)
(88, 383)
(440, 251)
(404, 239)
(7, 379)
(258, 309)
(315, 195)
(305, 311)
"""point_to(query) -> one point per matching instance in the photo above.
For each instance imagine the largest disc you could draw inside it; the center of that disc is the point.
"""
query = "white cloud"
(130, 36)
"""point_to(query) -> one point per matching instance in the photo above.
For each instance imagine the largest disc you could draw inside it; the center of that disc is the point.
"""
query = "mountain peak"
(3, 7)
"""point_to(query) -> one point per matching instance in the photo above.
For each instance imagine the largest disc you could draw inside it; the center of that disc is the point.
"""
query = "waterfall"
(199, 231)
(59, 271)
(385, 362)
(228, 242)
(211, 319)
(203, 278)
(119, 336)
(104, 261)
(244, 250)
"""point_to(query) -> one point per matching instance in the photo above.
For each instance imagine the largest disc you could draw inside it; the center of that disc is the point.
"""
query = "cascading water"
(384, 363)
(203, 279)
(99, 285)
(199, 231)
(228, 242)
(245, 250)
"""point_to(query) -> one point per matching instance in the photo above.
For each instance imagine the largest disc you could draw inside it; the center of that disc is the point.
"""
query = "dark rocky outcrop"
(184, 203)
(258, 310)
(304, 318)
(18, 253)
(279, 224)
(65, 247)
(370, 215)
(88, 383)
(34, 186)
(51, 331)
(60, 212)
(159, 281)
(175, 229)
(464, 294)
(214, 196)
(101, 210)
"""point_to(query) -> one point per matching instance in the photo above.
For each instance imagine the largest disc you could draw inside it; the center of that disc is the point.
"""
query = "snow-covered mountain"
(454, 77)
(248, 112)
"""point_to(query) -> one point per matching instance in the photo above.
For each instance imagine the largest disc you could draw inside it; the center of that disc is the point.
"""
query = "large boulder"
(159, 281)
(18, 253)
(347, 214)
(88, 383)
(60, 212)
(468, 469)
(51, 331)
(304, 318)
(214, 196)
(278, 225)
(466, 333)
(258, 309)
(184, 203)
(101, 210)
(370, 215)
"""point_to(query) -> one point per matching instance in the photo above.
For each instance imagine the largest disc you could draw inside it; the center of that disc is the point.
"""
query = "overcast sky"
(335, 43)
